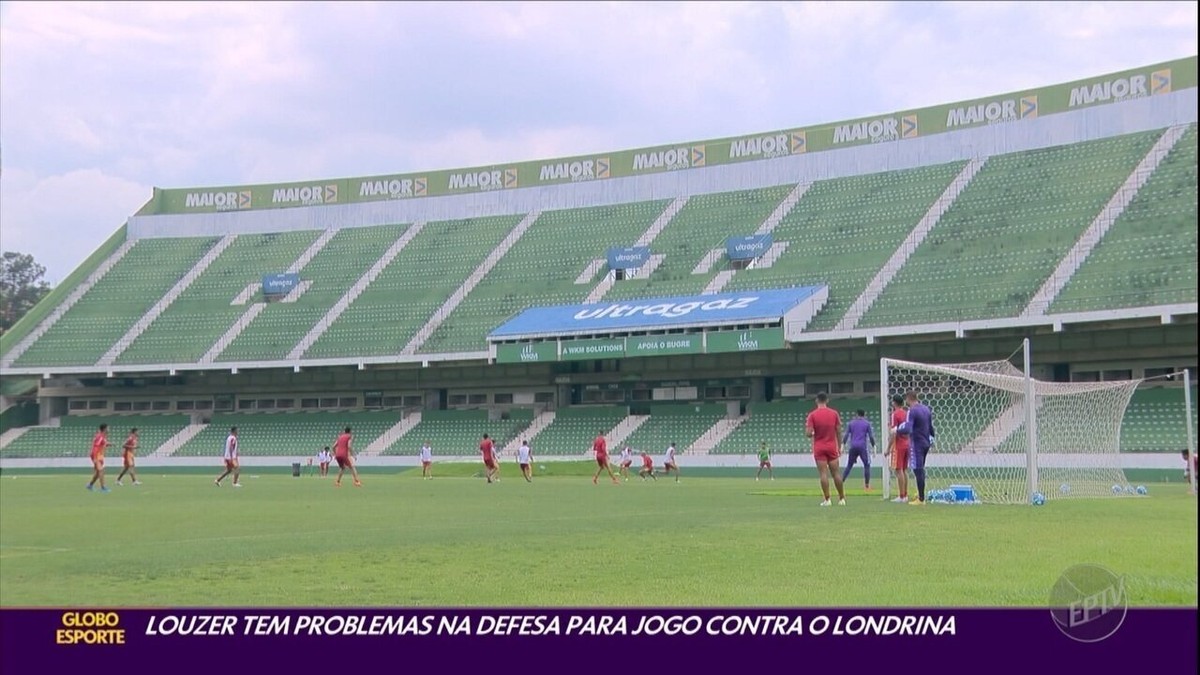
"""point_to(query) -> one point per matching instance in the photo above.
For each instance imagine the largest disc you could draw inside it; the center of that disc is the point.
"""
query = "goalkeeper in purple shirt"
(858, 435)
(919, 427)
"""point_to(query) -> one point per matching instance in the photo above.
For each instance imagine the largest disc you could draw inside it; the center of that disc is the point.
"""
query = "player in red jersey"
(647, 467)
(824, 426)
(898, 445)
(491, 466)
(99, 443)
(342, 455)
(127, 452)
(600, 449)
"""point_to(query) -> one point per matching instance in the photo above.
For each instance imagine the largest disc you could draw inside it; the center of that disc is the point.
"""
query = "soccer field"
(561, 541)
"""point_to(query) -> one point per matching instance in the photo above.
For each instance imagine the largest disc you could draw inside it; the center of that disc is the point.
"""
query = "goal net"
(990, 436)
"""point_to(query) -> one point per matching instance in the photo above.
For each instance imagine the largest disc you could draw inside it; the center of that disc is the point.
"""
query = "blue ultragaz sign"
(748, 247)
(657, 313)
(279, 284)
(628, 257)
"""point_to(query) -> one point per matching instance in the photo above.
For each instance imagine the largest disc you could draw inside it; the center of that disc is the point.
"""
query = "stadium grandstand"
(698, 293)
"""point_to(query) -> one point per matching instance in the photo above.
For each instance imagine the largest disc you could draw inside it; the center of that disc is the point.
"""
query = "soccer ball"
(1064, 488)
(1038, 499)
(1141, 489)
(1129, 490)
(1116, 489)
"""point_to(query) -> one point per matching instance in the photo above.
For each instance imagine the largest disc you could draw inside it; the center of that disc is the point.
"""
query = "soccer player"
(600, 450)
(824, 426)
(99, 443)
(426, 461)
(919, 426)
(232, 466)
(858, 434)
(323, 459)
(898, 448)
(488, 450)
(127, 452)
(342, 454)
(669, 462)
(647, 467)
(626, 461)
(1190, 470)
(764, 461)
(524, 459)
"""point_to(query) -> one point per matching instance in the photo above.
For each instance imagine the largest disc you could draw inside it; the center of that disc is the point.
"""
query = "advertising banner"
(748, 247)
(579, 350)
(1015, 107)
(656, 313)
(533, 352)
(745, 340)
(279, 284)
(628, 257)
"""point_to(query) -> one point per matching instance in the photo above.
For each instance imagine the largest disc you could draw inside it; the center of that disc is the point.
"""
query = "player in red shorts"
(127, 452)
(647, 467)
(898, 445)
(600, 449)
(824, 426)
(230, 455)
(490, 465)
(99, 443)
(626, 461)
(342, 455)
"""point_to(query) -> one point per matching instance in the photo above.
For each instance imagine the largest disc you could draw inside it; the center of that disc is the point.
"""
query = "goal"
(1008, 435)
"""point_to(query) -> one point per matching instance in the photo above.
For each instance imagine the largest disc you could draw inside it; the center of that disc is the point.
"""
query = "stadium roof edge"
(1164, 313)
(1031, 103)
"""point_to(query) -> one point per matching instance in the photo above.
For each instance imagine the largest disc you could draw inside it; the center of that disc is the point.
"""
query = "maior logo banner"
(675, 312)
(628, 257)
(748, 247)
(279, 284)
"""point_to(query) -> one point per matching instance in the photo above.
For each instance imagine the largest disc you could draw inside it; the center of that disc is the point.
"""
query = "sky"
(101, 102)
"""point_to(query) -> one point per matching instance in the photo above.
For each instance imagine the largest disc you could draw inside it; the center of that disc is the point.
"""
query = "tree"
(21, 286)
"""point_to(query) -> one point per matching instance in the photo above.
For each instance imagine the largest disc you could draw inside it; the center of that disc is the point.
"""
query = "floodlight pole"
(1031, 468)
(1191, 433)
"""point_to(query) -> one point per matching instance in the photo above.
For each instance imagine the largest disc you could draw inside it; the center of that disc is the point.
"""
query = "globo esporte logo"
(665, 309)
(90, 628)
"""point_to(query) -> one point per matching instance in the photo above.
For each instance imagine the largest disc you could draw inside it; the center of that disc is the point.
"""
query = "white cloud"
(109, 98)
(61, 219)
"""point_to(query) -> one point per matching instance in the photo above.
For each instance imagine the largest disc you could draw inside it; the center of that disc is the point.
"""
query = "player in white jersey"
(525, 459)
(426, 461)
(231, 459)
(626, 461)
(324, 457)
(669, 462)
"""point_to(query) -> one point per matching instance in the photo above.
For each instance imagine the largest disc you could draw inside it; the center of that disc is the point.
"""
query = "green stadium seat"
(1014, 222)
(73, 437)
(1148, 256)
(540, 269)
(103, 315)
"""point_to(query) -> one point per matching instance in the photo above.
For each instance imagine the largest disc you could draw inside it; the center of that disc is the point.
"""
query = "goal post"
(1009, 435)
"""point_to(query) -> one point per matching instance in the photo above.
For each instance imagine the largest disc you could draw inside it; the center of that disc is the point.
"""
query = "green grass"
(560, 541)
